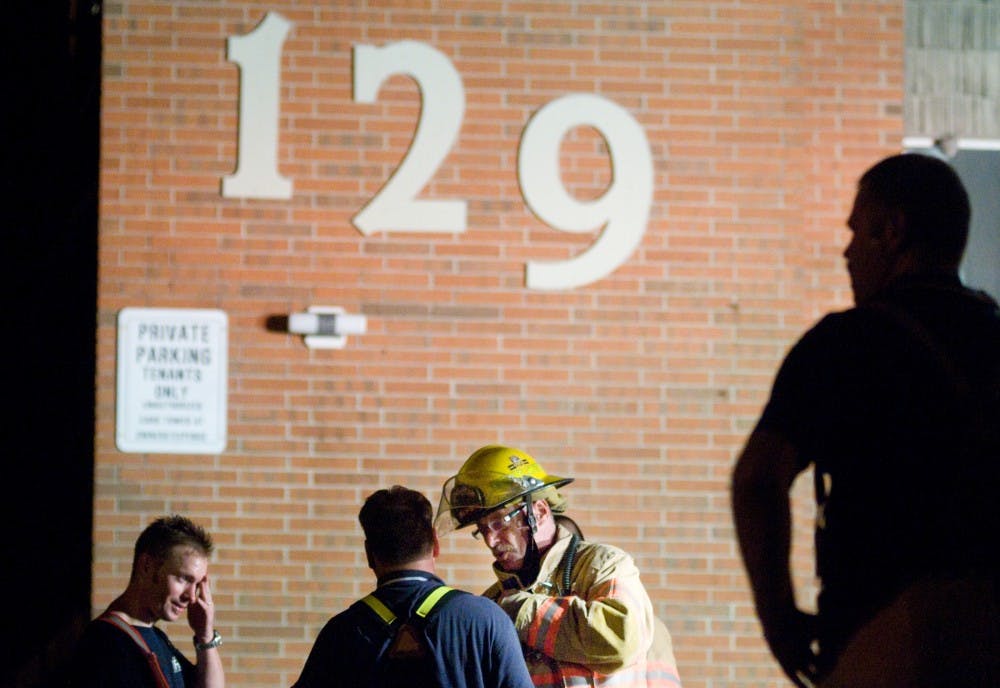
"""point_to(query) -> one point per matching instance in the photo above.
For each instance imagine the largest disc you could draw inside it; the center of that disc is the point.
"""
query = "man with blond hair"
(123, 648)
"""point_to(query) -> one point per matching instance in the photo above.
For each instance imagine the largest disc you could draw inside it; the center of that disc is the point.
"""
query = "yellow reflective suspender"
(407, 653)
(383, 612)
(431, 600)
(422, 611)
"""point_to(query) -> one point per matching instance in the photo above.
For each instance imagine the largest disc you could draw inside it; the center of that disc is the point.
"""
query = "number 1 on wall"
(259, 56)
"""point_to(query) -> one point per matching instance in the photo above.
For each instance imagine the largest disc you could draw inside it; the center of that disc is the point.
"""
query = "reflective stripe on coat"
(601, 632)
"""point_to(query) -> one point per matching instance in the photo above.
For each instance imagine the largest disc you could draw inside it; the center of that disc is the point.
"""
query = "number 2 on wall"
(621, 213)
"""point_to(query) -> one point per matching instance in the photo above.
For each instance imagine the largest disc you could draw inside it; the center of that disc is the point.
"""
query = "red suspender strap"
(115, 620)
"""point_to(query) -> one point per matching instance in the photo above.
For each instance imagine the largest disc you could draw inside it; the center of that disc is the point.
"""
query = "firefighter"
(580, 610)
(413, 630)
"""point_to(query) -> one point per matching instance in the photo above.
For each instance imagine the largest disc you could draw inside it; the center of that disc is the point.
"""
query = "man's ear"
(368, 556)
(436, 551)
(896, 232)
(541, 508)
(146, 568)
(146, 564)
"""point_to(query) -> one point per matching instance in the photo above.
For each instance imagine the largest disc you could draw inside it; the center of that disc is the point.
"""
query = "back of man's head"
(163, 534)
(398, 525)
(932, 200)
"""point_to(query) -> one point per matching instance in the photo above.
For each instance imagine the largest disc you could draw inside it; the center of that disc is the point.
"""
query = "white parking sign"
(172, 376)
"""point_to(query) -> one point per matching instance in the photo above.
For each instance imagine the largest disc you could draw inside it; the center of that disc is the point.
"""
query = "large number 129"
(621, 212)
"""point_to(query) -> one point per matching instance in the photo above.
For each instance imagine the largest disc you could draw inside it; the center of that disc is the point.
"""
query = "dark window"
(980, 171)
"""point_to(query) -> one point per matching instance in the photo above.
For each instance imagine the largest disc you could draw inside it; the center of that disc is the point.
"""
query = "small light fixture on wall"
(326, 327)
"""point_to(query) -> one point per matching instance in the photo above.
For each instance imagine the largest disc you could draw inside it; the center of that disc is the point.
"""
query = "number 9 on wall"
(623, 210)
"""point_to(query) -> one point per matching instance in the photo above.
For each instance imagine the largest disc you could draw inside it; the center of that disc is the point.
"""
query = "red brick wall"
(643, 385)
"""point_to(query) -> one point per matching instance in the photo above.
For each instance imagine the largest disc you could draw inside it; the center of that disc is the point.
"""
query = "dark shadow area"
(51, 155)
(276, 323)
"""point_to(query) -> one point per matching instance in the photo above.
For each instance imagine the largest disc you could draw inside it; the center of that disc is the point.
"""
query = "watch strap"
(214, 642)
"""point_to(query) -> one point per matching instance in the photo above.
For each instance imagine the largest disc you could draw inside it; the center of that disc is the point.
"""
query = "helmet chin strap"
(529, 515)
(531, 565)
(532, 557)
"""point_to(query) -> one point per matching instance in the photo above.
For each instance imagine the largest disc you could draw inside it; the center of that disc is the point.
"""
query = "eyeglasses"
(496, 524)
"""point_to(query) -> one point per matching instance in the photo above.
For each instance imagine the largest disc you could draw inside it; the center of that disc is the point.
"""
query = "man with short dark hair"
(413, 630)
(895, 404)
(123, 648)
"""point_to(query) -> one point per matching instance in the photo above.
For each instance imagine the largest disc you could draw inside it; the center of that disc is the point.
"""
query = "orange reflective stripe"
(535, 625)
(549, 624)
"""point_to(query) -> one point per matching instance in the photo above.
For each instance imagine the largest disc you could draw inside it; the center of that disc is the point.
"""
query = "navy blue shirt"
(473, 641)
(106, 657)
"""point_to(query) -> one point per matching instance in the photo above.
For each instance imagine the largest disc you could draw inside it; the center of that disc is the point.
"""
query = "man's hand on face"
(201, 612)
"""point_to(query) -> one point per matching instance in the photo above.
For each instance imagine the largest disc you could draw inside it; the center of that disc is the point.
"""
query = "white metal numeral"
(259, 56)
(621, 213)
(442, 97)
(623, 209)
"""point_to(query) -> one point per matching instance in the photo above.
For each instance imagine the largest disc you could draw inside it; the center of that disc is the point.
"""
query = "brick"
(760, 115)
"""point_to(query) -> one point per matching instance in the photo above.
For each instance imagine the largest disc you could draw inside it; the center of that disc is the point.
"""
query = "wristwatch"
(214, 642)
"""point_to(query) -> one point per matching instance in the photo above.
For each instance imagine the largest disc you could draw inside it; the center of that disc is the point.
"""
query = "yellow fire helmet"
(490, 478)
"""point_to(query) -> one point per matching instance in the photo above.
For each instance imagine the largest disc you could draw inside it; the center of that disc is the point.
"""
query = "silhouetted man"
(895, 403)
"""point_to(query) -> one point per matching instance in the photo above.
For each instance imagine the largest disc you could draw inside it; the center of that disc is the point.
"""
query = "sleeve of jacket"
(606, 624)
